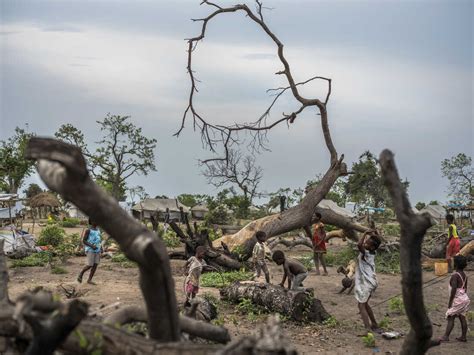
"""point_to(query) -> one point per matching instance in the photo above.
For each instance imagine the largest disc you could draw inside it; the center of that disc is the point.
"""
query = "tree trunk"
(468, 249)
(298, 305)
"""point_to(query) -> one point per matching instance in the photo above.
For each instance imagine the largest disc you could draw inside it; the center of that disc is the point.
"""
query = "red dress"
(319, 237)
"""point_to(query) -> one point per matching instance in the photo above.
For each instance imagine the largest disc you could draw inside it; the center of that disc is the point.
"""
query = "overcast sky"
(402, 79)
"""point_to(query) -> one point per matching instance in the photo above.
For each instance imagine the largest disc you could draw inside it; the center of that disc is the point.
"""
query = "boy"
(92, 242)
(453, 246)
(258, 256)
(366, 279)
(319, 244)
(194, 266)
(458, 304)
(293, 269)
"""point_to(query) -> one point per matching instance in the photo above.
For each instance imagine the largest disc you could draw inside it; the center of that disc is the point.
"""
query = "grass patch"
(218, 279)
(385, 323)
(388, 262)
(252, 311)
(36, 259)
(58, 270)
(342, 257)
(331, 322)
(121, 259)
(396, 305)
(369, 340)
(307, 260)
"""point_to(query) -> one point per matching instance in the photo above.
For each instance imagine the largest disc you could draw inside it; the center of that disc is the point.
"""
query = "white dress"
(365, 277)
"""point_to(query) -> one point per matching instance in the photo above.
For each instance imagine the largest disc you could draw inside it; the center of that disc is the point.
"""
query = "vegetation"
(58, 270)
(391, 229)
(123, 152)
(123, 261)
(171, 239)
(331, 322)
(396, 305)
(385, 322)
(369, 340)
(14, 167)
(32, 190)
(36, 259)
(52, 235)
(307, 261)
(70, 222)
(222, 279)
(458, 170)
(342, 257)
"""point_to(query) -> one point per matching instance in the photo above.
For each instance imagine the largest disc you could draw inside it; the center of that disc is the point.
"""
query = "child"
(92, 242)
(348, 280)
(319, 244)
(365, 278)
(194, 266)
(293, 269)
(258, 256)
(453, 246)
(458, 304)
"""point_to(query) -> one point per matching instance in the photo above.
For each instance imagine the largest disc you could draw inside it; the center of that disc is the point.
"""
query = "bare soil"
(119, 284)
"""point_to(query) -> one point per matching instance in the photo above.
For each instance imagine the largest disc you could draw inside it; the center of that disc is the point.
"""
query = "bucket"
(441, 268)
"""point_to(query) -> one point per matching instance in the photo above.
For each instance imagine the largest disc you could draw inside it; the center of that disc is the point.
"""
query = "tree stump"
(297, 305)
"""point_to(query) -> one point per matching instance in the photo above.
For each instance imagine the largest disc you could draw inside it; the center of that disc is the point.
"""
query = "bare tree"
(413, 229)
(215, 136)
(237, 170)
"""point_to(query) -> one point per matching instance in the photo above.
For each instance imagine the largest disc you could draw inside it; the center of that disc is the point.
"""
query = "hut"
(436, 212)
(199, 211)
(159, 207)
(74, 212)
(44, 202)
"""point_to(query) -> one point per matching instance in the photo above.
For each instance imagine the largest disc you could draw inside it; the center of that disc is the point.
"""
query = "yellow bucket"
(441, 268)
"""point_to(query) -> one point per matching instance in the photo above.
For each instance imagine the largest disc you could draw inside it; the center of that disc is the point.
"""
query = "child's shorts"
(190, 288)
(92, 258)
(453, 248)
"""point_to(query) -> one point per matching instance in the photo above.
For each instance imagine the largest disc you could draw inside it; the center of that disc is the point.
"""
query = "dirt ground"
(118, 284)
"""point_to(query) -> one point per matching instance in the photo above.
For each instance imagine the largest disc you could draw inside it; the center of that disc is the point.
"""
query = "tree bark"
(298, 305)
(413, 228)
(468, 249)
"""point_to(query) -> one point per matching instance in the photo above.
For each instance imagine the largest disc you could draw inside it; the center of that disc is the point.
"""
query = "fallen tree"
(297, 305)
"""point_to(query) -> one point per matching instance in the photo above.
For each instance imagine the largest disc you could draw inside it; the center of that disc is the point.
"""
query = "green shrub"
(123, 260)
(307, 260)
(396, 305)
(70, 222)
(391, 229)
(342, 257)
(217, 279)
(58, 270)
(213, 235)
(388, 262)
(369, 340)
(171, 239)
(331, 322)
(385, 322)
(36, 259)
(51, 235)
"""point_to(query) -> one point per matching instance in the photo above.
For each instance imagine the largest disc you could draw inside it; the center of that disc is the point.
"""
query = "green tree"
(122, 152)
(32, 190)
(365, 185)
(420, 205)
(192, 200)
(337, 193)
(458, 170)
(433, 203)
(14, 168)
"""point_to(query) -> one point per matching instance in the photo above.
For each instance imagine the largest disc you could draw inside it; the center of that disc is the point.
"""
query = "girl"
(454, 245)
(365, 278)
(319, 243)
(458, 304)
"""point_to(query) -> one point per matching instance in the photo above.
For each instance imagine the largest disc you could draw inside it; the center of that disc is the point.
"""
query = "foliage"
(251, 310)
(391, 229)
(123, 152)
(215, 234)
(420, 205)
(171, 239)
(51, 235)
(222, 279)
(369, 340)
(385, 322)
(307, 261)
(36, 259)
(396, 305)
(331, 322)
(191, 200)
(365, 185)
(121, 259)
(70, 222)
(388, 262)
(32, 190)
(337, 193)
(460, 174)
(58, 270)
(68, 247)
(434, 203)
(217, 215)
(14, 167)
(342, 257)
(137, 192)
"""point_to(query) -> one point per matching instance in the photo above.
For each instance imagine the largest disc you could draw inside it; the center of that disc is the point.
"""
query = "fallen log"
(298, 305)
(468, 249)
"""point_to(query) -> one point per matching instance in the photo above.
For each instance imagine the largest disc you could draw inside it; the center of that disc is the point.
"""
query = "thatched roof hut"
(44, 199)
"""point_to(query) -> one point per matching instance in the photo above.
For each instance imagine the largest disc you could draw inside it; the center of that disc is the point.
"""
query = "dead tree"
(228, 136)
(413, 228)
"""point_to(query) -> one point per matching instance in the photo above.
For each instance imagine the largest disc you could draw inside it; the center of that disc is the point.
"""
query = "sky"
(402, 74)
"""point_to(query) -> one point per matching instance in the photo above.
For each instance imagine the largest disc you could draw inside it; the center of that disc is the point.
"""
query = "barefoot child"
(293, 269)
(458, 304)
(194, 266)
(319, 243)
(258, 256)
(92, 242)
(365, 278)
(453, 246)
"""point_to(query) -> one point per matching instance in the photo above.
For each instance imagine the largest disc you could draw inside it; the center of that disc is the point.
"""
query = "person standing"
(319, 243)
(92, 241)
(454, 245)
(258, 256)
